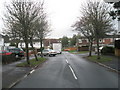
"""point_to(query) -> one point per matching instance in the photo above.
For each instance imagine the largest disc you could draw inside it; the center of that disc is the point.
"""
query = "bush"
(107, 50)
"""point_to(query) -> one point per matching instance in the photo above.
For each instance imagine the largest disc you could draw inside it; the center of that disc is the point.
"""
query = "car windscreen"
(45, 50)
(13, 50)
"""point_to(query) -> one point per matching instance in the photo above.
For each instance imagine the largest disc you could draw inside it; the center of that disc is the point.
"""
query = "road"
(70, 71)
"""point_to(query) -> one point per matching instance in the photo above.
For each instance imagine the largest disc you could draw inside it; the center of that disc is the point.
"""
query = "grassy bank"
(33, 62)
(102, 59)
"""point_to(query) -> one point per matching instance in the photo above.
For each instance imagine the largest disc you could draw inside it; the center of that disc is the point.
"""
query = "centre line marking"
(66, 60)
(73, 72)
(32, 71)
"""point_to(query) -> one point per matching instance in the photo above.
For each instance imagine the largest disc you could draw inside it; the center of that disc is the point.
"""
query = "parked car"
(66, 49)
(45, 52)
(5, 52)
(58, 52)
(17, 51)
(49, 52)
(52, 52)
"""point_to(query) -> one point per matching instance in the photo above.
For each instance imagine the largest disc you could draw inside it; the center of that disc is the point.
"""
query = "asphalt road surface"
(70, 71)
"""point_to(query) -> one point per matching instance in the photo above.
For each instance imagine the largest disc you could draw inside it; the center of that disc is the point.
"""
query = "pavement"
(114, 64)
(11, 73)
(70, 71)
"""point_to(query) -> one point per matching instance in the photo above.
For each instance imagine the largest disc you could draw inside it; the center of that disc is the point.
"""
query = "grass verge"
(80, 52)
(33, 62)
(72, 51)
(102, 59)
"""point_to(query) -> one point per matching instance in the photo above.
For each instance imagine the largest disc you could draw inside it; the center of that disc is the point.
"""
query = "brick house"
(108, 40)
(48, 42)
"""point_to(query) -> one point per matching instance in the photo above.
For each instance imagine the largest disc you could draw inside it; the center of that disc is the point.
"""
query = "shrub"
(107, 50)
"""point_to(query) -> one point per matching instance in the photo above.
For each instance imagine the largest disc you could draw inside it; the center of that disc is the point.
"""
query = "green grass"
(102, 59)
(33, 62)
(80, 52)
(72, 51)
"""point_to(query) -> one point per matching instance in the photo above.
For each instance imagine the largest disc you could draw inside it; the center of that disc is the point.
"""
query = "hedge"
(107, 50)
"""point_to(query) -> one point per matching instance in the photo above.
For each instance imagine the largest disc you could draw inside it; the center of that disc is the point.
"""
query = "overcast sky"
(61, 15)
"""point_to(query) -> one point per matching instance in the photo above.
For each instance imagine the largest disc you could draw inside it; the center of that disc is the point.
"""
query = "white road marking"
(25, 76)
(32, 71)
(67, 61)
(73, 72)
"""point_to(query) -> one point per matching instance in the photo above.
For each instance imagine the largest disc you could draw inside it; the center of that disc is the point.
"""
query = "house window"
(80, 41)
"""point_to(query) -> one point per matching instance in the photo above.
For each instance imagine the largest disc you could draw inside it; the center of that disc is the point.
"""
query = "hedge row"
(108, 50)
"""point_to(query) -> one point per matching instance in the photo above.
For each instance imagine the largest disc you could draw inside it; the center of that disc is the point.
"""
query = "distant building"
(49, 42)
(108, 40)
(36, 42)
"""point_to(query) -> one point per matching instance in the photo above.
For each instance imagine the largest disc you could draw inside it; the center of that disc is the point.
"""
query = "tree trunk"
(17, 44)
(90, 48)
(98, 53)
(27, 53)
(41, 48)
(31, 43)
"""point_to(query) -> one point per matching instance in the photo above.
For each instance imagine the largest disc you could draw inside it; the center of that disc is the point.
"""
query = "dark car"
(17, 51)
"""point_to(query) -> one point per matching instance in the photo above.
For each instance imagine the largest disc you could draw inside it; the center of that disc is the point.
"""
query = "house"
(48, 42)
(107, 40)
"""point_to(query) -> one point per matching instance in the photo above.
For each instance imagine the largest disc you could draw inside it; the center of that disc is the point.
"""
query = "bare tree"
(42, 28)
(96, 16)
(21, 18)
(83, 26)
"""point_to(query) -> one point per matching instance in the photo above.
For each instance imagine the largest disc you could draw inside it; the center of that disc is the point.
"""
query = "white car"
(58, 52)
(49, 52)
(45, 52)
(52, 52)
